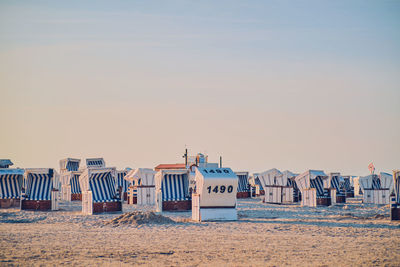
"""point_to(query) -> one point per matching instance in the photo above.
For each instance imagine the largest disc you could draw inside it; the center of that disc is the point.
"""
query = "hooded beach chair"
(172, 190)
(39, 193)
(99, 192)
(10, 187)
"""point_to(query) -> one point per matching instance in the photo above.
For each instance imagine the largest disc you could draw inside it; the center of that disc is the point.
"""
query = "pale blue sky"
(286, 84)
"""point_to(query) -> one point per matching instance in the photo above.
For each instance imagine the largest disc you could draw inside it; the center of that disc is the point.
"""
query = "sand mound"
(139, 217)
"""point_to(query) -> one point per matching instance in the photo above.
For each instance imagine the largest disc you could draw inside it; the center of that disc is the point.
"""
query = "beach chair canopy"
(70, 164)
(271, 177)
(5, 163)
(39, 183)
(121, 182)
(312, 179)
(334, 181)
(141, 176)
(174, 184)
(386, 181)
(372, 181)
(286, 178)
(101, 181)
(11, 183)
(95, 163)
(243, 181)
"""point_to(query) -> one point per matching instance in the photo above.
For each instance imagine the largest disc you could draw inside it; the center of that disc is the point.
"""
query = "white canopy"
(145, 175)
(386, 181)
(270, 177)
(303, 180)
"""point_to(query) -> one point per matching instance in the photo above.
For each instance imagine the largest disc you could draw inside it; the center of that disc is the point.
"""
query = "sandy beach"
(265, 235)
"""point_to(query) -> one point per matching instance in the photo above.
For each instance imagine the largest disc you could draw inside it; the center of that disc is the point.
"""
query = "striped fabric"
(38, 186)
(75, 186)
(397, 188)
(335, 184)
(175, 187)
(95, 163)
(347, 185)
(292, 183)
(258, 182)
(376, 183)
(103, 187)
(122, 182)
(243, 184)
(10, 186)
(72, 166)
(318, 184)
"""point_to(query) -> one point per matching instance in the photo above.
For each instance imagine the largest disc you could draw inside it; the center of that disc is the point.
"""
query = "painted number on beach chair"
(220, 189)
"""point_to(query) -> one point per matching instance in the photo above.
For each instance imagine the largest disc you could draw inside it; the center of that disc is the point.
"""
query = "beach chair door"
(87, 202)
(159, 201)
(150, 195)
(54, 199)
(333, 196)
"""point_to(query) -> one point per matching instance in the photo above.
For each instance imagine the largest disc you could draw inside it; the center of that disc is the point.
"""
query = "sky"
(291, 85)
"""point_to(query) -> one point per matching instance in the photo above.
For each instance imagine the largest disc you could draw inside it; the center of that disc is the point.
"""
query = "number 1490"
(220, 189)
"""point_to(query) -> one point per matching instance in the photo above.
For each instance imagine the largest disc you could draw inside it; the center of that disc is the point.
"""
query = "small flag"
(371, 168)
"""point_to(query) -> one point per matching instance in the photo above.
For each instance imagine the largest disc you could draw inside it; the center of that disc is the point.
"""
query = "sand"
(265, 235)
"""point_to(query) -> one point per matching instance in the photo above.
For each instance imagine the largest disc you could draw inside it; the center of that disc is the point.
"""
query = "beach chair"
(243, 185)
(334, 180)
(142, 189)
(10, 186)
(314, 188)
(172, 190)
(99, 193)
(69, 179)
(38, 192)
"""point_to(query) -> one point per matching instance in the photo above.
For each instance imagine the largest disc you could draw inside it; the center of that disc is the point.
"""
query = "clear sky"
(288, 84)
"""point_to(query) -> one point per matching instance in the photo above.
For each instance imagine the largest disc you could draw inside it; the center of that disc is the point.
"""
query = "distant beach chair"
(39, 192)
(395, 197)
(260, 190)
(314, 187)
(244, 187)
(99, 193)
(376, 188)
(142, 188)
(69, 178)
(172, 190)
(10, 186)
(122, 183)
(334, 178)
(95, 163)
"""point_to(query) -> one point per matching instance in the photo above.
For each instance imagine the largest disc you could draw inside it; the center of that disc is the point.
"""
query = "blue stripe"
(335, 184)
(376, 183)
(39, 187)
(174, 187)
(347, 185)
(318, 184)
(121, 182)
(75, 185)
(103, 187)
(243, 184)
(10, 186)
(72, 166)
(258, 182)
